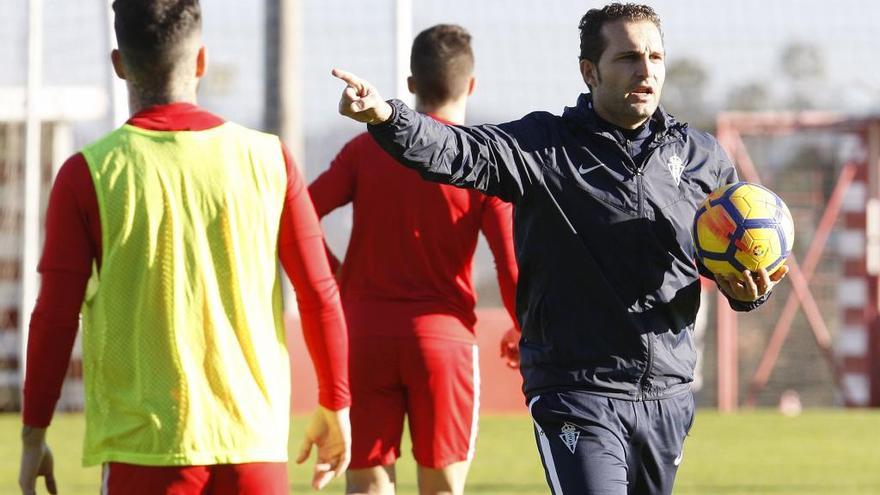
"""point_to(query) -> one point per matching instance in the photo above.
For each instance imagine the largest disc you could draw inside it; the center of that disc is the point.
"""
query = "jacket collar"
(583, 116)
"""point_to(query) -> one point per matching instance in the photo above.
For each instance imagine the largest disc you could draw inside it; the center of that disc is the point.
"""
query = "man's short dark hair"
(592, 41)
(441, 62)
(150, 33)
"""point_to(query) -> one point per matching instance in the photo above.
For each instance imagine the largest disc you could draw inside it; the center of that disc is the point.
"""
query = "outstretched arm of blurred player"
(301, 250)
(497, 226)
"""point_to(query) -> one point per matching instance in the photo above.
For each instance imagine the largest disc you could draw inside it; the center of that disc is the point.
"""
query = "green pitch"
(759, 452)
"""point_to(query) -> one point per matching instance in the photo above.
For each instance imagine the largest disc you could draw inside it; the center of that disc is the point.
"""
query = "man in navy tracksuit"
(604, 197)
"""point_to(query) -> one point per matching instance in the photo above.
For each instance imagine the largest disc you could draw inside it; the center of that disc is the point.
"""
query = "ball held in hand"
(742, 226)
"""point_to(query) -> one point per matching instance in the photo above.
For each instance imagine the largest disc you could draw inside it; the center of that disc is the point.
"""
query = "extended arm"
(495, 159)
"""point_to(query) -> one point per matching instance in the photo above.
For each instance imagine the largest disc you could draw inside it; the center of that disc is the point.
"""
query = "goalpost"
(851, 212)
(35, 137)
(31, 190)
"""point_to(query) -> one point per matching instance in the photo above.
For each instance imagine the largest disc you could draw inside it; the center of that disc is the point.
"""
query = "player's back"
(412, 241)
(187, 219)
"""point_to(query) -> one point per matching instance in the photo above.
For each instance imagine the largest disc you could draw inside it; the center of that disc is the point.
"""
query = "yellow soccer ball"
(742, 226)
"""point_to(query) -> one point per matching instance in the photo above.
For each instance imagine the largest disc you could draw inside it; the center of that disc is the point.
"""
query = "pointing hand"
(361, 101)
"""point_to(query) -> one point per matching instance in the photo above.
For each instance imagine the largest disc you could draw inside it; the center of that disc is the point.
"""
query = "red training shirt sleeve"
(497, 226)
(301, 250)
(70, 248)
(335, 187)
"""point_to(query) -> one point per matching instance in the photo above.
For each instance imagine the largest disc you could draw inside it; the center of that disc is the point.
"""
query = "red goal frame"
(854, 202)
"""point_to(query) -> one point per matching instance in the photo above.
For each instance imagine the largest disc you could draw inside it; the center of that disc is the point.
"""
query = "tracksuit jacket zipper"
(638, 170)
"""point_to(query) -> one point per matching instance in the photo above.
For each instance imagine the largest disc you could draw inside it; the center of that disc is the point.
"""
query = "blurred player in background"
(604, 199)
(407, 288)
(183, 217)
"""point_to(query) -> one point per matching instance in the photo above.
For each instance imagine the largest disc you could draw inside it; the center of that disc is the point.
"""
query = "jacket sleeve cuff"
(392, 120)
(745, 306)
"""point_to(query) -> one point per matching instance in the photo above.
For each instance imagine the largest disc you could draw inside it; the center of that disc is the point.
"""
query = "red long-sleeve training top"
(73, 243)
(412, 245)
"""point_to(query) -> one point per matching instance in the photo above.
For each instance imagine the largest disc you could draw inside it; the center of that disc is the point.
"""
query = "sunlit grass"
(756, 452)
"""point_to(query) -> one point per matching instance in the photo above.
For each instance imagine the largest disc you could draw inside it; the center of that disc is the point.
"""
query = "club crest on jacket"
(675, 166)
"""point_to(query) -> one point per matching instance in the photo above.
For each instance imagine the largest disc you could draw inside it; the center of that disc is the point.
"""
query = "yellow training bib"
(184, 352)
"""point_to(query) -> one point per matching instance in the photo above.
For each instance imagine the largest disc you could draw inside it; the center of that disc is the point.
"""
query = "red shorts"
(434, 382)
(254, 478)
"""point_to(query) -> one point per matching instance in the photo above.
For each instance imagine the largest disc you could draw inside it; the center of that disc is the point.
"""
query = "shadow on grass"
(701, 489)
(487, 488)
(793, 488)
(506, 488)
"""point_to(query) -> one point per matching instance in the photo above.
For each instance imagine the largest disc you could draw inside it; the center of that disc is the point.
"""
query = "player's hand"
(510, 347)
(361, 101)
(330, 432)
(36, 461)
(752, 285)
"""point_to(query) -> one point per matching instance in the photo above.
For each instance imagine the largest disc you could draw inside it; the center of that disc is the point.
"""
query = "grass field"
(759, 452)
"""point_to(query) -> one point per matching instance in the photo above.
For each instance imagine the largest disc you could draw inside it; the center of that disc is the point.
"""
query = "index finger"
(349, 78)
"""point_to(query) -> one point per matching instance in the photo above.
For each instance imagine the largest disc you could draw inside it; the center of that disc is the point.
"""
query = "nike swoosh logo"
(678, 459)
(582, 170)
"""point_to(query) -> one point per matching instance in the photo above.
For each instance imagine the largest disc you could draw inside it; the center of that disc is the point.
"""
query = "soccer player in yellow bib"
(165, 235)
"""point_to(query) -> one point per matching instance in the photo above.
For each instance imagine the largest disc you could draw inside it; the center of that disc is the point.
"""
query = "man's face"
(627, 81)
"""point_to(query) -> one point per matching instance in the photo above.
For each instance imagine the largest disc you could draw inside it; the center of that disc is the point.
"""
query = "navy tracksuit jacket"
(608, 287)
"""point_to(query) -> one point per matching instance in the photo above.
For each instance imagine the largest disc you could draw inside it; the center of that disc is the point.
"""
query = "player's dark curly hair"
(592, 41)
(441, 62)
(150, 32)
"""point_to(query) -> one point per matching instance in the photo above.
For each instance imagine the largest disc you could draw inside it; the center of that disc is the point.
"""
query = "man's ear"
(590, 73)
(201, 62)
(472, 85)
(411, 84)
(116, 60)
